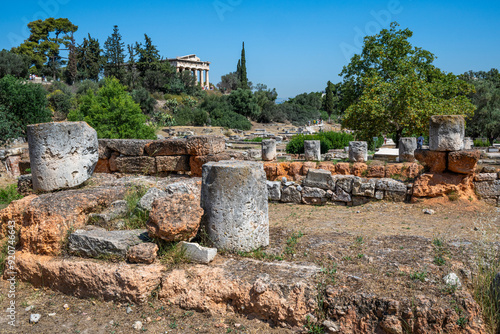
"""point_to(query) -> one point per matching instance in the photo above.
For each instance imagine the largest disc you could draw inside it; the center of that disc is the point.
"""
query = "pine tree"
(114, 55)
(243, 70)
(71, 70)
(89, 59)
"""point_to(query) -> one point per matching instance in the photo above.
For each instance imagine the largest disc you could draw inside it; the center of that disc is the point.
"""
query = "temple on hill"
(195, 65)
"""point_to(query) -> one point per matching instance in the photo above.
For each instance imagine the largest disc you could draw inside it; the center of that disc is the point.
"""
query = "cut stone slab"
(291, 195)
(313, 196)
(434, 160)
(395, 196)
(344, 182)
(446, 133)
(391, 185)
(142, 253)
(358, 151)
(196, 253)
(463, 162)
(478, 177)
(319, 178)
(363, 187)
(127, 147)
(407, 147)
(98, 241)
(312, 150)
(62, 155)
(340, 195)
(268, 149)
(274, 190)
(173, 163)
(136, 165)
(146, 201)
(117, 209)
(167, 147)
(488, 188)
(235, 199)
(196, 162)
(205, 145)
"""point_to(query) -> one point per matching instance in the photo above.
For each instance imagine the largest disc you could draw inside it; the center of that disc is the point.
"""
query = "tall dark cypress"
(243, 70)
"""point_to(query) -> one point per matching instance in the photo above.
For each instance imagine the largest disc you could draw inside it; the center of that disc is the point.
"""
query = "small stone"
(51, 314)
(66, 307)
(111, 322)
(331, 326)
(137, 325)
(311, 318)
(283, 179)
(129, 310)
(299, 188)
(148, 319)
(197, 253)
(428, 211)
(452, 279)
(35, 318)
(29, 308)
(142, 253)
(237, 325)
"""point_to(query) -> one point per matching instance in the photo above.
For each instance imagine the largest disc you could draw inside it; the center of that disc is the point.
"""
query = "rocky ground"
(379, 261)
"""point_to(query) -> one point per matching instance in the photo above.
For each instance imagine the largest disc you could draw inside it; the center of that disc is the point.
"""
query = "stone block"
(434, 160)
(358, 151)
(488, 188)
(102, 166)
(343, 168)
(173, 163)
(376, 171)
(291, 195)
(62, 155)
(112, 162)
(312, 150)
(488, 169)
(196, 162)
(344, 182)
(146, 201)
(235, 199)
(485, 177)
(391, 185)
(379, 194)
(176, 146)
(142, 253)
(340, 195)
(274, 190)
(446, 133)
(319, 178)
(407, 147)
(314, 196)
(363, 187)
(196, 253)
(463, 162)
(136, 165)
(127, 147)
(395, 196)
(360, 200)
(117, 209)
(468, 143)
(268, 149)
(97, 242)
(25, 184)
(205, 145)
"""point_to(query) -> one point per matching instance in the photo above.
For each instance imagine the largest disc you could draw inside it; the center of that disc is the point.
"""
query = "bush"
(142, 97)
(113, 113)
(480, 143)
(329, 140)
(193, 117)
(9, 194)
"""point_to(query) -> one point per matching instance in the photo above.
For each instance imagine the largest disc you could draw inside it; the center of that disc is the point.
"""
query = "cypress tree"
(114, 53)
(329, 100)
(243, 70)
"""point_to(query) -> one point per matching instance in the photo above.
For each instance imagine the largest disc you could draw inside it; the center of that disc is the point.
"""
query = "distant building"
(193, 64)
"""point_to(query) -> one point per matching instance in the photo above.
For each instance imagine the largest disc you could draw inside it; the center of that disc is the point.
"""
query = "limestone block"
(25, 184)
(446, 133)
(235, 199)
(312, 150)
(205, 145)
(98, 241)
(315, 196)
(12, 163)
(142, 253)
(196, 162)
(488, 169)
(468, 143)
(358, 151)
(379, 194)
(117, 209)
(391, 185)
(173, 163)
(363, 187)
(102, 166)
(344, 182)
(146, 201)
(360, 200)
(274, 190)
(291, 195)
(488, 188)
(395, 196)
(62, 155)
(196, 253)
(319, 178)
(127, 147)
(407, 147)
(268, 149)
(463, 162)
(187, 186)
(477, 177)
(136, 165)
(176, 146)
(343, 168)
(434, 160)
(340, 195)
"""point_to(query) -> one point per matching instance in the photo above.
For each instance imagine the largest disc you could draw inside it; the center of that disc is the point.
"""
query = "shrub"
(188, 116)
(329, 140)
(142, 97)
(9, 194)
(480, 143)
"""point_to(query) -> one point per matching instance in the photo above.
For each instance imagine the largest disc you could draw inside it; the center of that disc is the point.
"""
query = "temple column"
(206, 79)
(177, 69)
(201, 78)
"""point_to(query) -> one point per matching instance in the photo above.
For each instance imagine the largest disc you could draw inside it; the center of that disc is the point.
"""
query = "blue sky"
(293, 46)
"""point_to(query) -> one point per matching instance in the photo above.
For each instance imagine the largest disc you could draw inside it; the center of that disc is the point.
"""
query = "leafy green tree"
(71, 70)
(393, 88)
(265, 99)
(229, 82)
(114, 56)
(311, 100)
(486, 119)
(221, 113)
(89, 62)
(144, 99)
(132, 75)
(13, 64)
(245, 103)
(44, 43)
(60, 100)
(21, 104)
(113, 113)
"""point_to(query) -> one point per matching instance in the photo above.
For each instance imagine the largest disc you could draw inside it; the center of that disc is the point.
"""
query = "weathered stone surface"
(363, 187)
(359, 169)
(127, 147)
(468, 143)
(112, 162)
(343, 168)
(12, 163)
(142, 253)
(175, 217)
(314, 196)
(312, 150)
(268, 149)
(446, 133)
(117, 209)
(391, 185)
(344, 182)
(102, 166)
(85, 278)
(395, 196)
(205, 145)
(234, 197)
(463, 162)
(136, 165)
(340, 195)
(173, 163)
(63, 155)
(177, 146)
(360, 200)
(185, 186)
(358, 151)
(196, 253)
(440, 184)
(407, 147)
(488, 188)
(488, 169)
(49, 217)
(319, 178)
(379, 194)
(196, 162)
(25, 184)
(274, 190)
(485, 177)
(97, 241)
(269, 290)
(291, 195)
(146, 201)
(14, 212)
(434, 160)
